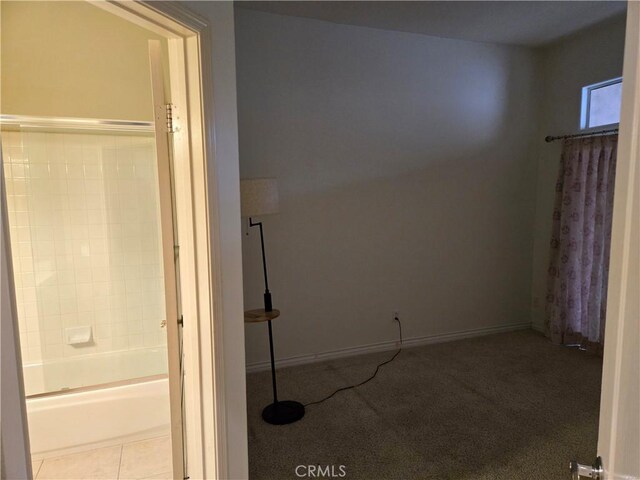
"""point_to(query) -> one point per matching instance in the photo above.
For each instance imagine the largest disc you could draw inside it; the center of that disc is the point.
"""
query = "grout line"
(168, 474)
(146, 439)
(120, 461)
(80, 452)
(122, 445)
(35, 474)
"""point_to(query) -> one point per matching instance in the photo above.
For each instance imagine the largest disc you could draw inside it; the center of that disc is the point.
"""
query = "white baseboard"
(384, 346)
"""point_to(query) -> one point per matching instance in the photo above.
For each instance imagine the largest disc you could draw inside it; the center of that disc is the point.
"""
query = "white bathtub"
(75, 421)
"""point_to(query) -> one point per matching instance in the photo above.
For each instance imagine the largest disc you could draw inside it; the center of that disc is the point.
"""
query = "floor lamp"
(259, 196)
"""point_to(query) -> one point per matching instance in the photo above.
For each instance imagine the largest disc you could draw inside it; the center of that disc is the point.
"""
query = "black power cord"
(371, 377)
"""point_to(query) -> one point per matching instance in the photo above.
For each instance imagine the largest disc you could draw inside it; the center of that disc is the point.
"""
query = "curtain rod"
(76, 123)
(576, 135)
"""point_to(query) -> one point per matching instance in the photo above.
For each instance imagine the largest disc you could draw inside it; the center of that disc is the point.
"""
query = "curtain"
(580, 242)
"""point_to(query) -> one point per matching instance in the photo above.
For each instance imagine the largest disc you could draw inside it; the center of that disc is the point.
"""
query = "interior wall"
(106, 77)
(588, 57)
(406, 169)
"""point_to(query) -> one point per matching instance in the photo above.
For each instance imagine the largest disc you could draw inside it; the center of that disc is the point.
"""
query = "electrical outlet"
(396, 314)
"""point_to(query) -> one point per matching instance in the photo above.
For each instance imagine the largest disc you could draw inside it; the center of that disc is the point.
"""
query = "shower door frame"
(191, 87)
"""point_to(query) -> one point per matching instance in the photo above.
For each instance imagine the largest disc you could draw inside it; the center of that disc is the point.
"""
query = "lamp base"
(283, 413)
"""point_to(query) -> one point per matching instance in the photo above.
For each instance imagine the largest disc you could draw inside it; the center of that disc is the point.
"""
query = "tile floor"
(147, 459)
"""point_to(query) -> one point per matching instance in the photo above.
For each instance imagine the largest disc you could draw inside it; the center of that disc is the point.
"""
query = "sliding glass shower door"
(84, 219)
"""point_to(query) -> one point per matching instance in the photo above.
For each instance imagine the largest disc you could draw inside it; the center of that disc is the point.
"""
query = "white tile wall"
(84, 224)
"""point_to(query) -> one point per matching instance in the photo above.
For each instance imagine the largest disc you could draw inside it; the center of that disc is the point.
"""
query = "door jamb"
(621, 289)
(189, 39)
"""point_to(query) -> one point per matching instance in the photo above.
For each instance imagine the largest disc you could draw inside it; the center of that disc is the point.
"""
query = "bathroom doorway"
(96, 225)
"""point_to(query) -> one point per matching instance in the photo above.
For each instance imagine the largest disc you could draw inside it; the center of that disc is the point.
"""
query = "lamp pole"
(279, 412)
(268, 305)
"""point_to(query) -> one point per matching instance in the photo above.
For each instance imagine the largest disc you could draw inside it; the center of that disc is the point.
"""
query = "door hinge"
(169, 109)
(181, 321)
(595, 471)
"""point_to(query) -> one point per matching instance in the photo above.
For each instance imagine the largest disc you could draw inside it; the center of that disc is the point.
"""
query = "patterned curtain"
(580, 242)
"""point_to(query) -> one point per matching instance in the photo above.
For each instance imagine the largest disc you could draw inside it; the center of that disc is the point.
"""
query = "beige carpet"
(509, 406)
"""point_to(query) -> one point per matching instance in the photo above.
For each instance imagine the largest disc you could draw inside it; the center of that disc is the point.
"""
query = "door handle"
(594, 471)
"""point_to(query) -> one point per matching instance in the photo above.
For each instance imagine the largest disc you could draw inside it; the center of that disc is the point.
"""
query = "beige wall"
(72, 59)
(407, 182)
(591, 56)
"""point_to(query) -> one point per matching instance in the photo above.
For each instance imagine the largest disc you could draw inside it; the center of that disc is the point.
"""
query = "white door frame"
(619, 430)
(15, 457)
(164, 155)
(200, 271)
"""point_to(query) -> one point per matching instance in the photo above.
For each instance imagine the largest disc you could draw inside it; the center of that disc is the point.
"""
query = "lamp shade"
(258, 196)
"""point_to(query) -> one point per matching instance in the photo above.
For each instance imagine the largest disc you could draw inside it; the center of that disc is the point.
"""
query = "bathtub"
(63, 423)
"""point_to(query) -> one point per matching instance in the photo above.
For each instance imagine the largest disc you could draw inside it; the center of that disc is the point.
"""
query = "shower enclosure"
(84, 219)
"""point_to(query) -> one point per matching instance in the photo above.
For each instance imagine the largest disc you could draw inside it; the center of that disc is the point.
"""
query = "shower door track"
(100, 386)
(71, 123)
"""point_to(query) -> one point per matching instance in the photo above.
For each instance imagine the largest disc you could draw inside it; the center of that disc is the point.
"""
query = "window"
(601, 103)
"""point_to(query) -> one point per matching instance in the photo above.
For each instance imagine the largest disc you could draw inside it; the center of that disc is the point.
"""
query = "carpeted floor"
(510, 406)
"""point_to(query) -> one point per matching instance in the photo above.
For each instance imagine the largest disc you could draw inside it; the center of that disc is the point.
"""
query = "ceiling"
(527, 23)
